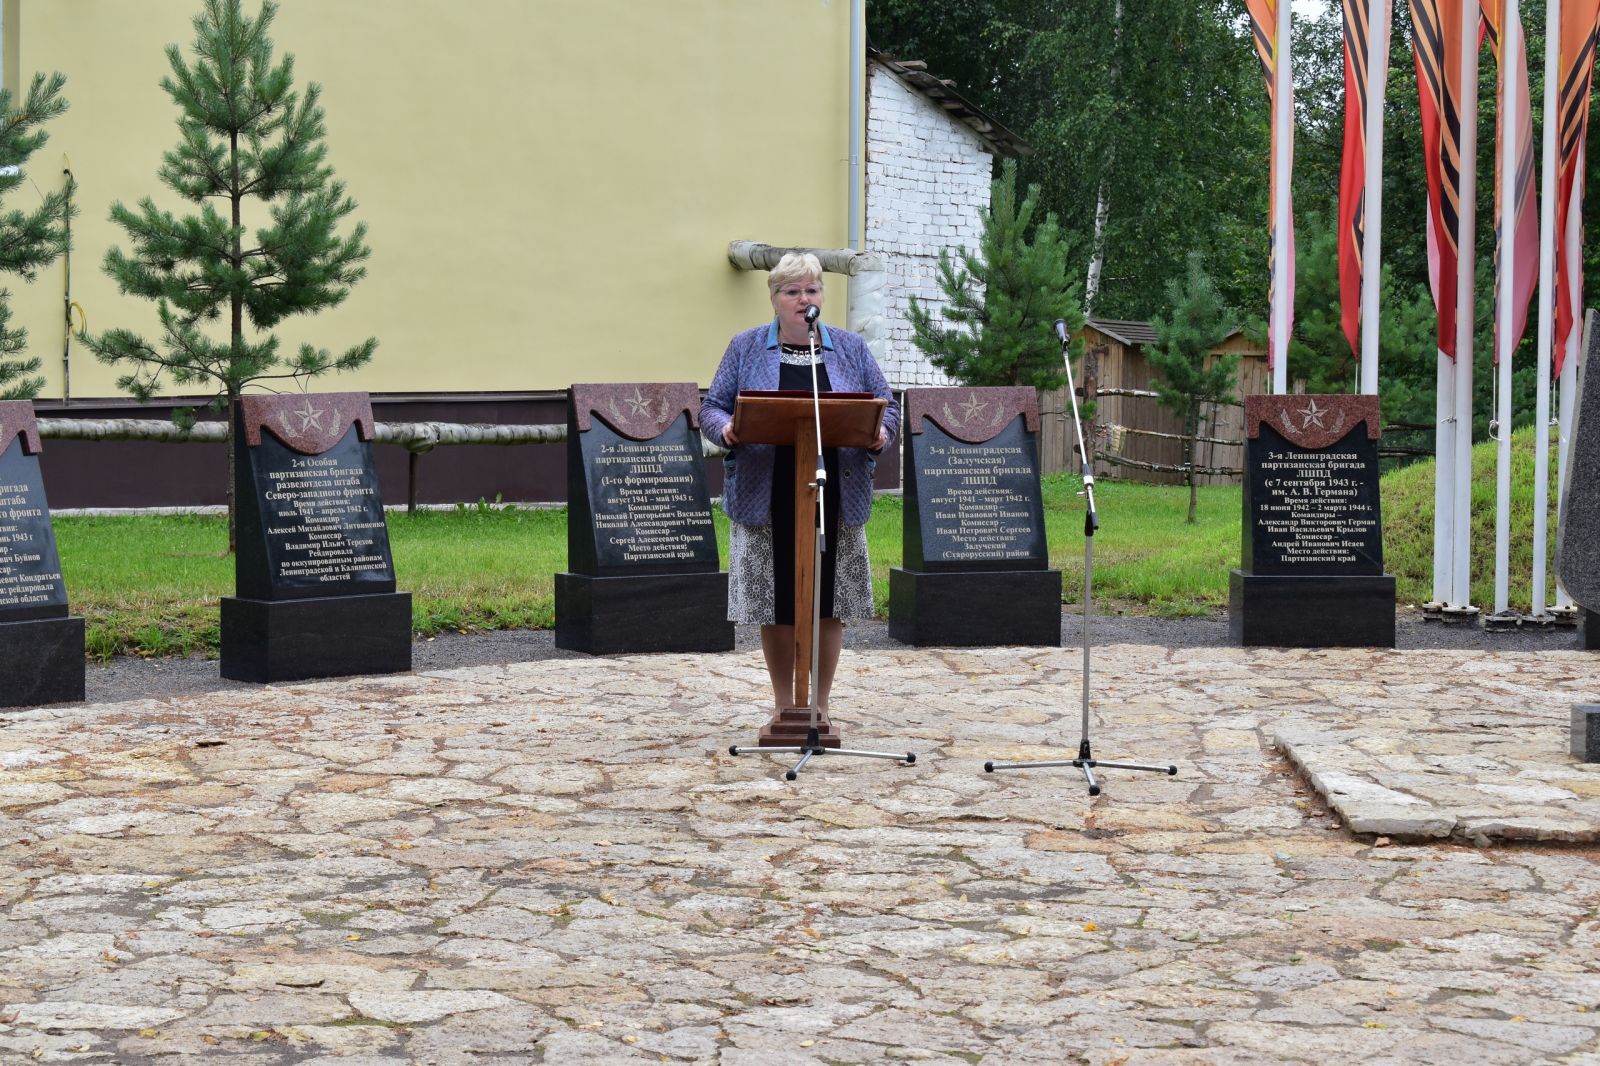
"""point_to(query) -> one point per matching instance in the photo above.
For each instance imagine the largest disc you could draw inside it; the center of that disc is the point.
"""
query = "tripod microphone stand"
(812, 746)
(1085, 762)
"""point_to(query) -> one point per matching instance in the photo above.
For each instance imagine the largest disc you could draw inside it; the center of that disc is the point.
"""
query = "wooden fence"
(1133, 436)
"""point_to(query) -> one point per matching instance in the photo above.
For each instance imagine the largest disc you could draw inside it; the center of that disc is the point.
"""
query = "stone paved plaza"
(559, 862)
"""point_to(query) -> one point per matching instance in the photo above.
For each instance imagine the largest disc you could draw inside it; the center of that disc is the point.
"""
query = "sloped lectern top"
(849, 419)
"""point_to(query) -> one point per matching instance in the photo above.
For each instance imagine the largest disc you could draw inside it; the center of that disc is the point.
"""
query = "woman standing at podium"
(758, 479)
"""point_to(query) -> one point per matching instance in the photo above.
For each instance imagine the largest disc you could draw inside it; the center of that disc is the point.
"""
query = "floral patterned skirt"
(752, 595)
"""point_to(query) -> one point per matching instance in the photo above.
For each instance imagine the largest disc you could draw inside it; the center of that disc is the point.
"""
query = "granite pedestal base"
(650, 612)
(41, 661)
(1586, 732)
(970, 609)
(329, 636)
(1317, 611)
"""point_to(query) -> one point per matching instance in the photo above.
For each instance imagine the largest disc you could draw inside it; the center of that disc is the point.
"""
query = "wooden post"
(1091, 391)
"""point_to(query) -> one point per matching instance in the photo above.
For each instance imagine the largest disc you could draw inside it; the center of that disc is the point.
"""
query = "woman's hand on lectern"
(729, 437)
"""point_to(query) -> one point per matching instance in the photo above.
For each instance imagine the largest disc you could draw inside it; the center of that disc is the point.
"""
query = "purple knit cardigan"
(751, 362)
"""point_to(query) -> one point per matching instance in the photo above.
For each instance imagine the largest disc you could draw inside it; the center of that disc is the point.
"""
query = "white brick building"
(929, 167)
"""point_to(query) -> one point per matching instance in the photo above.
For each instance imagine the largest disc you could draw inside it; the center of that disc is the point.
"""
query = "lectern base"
(640, 613)
(41, 661)
(971, 608)
(1311, 611)
(789, 727)
(327, 636)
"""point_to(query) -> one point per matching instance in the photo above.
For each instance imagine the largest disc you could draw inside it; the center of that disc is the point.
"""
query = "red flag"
(1579, 22)
(1525, 257)
(1264, 24)
(1436, 36)
(1358, 23)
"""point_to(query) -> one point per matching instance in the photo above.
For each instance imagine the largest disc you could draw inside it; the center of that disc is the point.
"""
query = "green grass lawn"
(150, 585)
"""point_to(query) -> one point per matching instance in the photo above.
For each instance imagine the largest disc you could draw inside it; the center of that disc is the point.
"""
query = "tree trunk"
(233, 353)
(1102, 206)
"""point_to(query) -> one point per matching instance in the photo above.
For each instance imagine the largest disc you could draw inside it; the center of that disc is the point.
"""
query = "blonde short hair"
(793, 267)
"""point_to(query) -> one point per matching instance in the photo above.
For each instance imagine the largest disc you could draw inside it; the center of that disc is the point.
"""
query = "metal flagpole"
(1282, 160)
(1444, 484)
(1547, 304)
(1466, 256)
(1372, 193)
(1510, 47)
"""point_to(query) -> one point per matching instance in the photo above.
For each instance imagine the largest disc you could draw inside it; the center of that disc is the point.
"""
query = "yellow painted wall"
(549, 186)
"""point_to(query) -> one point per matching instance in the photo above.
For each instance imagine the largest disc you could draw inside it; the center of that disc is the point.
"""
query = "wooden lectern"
(849, 420)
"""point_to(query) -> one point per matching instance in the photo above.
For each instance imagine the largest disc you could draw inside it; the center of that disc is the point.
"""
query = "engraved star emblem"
(310, 417)
(972, 406)
(638, 403)
(1312, 415)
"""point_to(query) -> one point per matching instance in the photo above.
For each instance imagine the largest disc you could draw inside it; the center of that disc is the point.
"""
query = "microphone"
(812, 314)
(1061, 330)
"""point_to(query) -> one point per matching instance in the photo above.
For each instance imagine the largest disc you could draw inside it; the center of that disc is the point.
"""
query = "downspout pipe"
(858, 60)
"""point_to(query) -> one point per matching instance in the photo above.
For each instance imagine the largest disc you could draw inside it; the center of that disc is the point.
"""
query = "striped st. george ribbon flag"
(1360, 85)
(1579, 22)
(1436, 36)
(1525, 257)
(1264, 24)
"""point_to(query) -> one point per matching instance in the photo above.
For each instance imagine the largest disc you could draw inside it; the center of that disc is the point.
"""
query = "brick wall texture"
(927, 184)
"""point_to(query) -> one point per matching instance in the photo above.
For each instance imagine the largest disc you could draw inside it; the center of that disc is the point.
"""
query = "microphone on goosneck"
(1061, 330)
(812, 314)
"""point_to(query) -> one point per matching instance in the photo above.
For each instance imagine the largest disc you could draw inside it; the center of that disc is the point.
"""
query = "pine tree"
(1003, 301)
(250, 143)
(28, 239)
(1198, 323)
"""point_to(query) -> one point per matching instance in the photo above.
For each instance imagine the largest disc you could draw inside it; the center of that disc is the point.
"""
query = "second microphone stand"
(1085, 762)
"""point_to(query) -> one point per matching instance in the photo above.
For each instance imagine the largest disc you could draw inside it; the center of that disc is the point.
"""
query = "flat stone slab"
(1478, 770)
(559, 862)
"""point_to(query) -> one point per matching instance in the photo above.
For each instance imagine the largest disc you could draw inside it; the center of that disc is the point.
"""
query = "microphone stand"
(813, 745)
(1085, 762)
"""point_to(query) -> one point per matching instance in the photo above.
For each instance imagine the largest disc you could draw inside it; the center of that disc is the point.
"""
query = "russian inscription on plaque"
(313, 574)
(974, 474)
(643, 570)
(1312, 507)
(312, 521)
(1311, 553)
(641, 505)
(973, 506)
(41, 647)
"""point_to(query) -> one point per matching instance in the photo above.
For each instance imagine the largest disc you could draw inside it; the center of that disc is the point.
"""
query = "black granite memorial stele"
(1578, 538)
(976, 569)
(314, 580)
(1311, 570)
(643, 571)
(41, 646)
